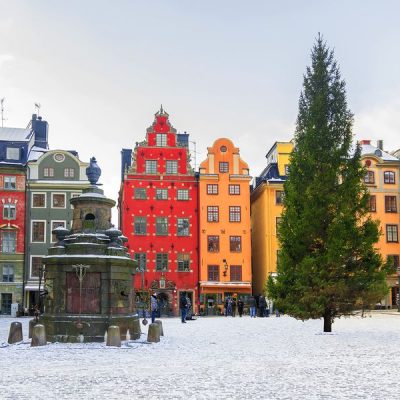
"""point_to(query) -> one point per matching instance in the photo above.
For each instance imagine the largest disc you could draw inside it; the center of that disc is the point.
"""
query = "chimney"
(379, 144)
(363, 142)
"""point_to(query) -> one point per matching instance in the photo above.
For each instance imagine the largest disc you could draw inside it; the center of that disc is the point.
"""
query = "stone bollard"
(157, 321)
(134, 329)
(32, 323)
(38, 336)
(15, 334)
(154, 333)
(113, 336)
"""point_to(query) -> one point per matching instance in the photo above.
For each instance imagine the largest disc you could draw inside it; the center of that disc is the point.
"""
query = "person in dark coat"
(183, 304)
(226, 306)
(233, 304)
(240, 306)
(262, 304)
(253, 306)
(153, 306)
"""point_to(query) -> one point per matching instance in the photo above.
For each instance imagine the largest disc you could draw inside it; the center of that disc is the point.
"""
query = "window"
(9, 211)
(162, 262)
(392, 234)
(369, 177)
(162, 226)
(10, 182)
(8, 273)
(236, 273)
(54, 225)
(213, 244)
(162, 194)
(234, 214)
(390, 204)
(140, 225)
(36, 265)
(372, 203)
(38, 200)
(161, 139)
(235, 244)
(38, 231)
(140, 194)
(223, 167)
(389, 177)
(212, 189)
(58, 200)
(234, 189)
(279, 196)
(277, 222)
(183, 226)
(183, 261)
(183, 194)
(141, 259)
(8, 241)
(213, 272)
(172, 167)
(12, 153)
(69, 172)
(48, 172)
(151, 166)
(212, 214)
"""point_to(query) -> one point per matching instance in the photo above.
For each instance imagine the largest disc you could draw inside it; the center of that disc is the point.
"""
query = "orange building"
(225, 244)
(382, 180)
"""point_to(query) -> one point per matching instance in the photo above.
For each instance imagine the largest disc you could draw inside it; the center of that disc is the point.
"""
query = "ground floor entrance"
(6, 300)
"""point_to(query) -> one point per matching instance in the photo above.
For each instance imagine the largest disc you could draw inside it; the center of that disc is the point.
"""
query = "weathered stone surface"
(134, 329)
(32, 323)
(15, 334)
(157, 321)
(38, 336)
(153, 334)
(113, 336)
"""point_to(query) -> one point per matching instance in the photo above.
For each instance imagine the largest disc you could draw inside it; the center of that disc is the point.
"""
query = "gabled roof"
(16, 134)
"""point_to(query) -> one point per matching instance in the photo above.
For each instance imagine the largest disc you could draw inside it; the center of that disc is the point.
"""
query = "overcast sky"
(101, 69)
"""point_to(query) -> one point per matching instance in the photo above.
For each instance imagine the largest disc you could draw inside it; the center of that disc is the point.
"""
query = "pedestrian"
(226, 306)
(253, 306)
(153, 307)
(183, 304)
(189, 309)
(230, 306)
(233, 307)
(240, 306)
(262, 304)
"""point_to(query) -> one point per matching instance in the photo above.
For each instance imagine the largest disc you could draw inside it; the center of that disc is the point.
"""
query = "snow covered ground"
(215, 358)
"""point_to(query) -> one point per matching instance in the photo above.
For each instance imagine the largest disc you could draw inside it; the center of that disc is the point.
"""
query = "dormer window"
(13, 153)
(161, 139)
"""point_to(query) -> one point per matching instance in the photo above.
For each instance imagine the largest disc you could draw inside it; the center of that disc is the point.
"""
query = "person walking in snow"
(262, 304)
(226, 306)
(183, 304)
(153, 307)
(240, 306)
(233, 305)
(253, 306)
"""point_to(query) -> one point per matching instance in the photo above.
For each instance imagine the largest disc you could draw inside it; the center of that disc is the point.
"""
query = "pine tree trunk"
(327, 322)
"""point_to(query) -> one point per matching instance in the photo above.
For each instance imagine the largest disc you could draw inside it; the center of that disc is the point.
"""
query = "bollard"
(15, 334)
(153, 334)
(32, 323)
(157, 321)
(134, 329)
(113, 336)
(38, 336)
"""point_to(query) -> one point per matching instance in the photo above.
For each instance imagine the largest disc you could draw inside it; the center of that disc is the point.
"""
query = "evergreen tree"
(327, 266)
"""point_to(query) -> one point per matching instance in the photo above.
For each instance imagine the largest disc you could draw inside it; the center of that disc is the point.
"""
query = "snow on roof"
(368, 149)
(15, 134)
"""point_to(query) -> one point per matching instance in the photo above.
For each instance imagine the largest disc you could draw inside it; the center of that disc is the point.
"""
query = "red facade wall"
(171, 208)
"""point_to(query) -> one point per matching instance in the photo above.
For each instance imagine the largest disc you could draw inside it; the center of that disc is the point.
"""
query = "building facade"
(266, 209)
(382, 180)
(55, 178)
(225, 248)
(17, 147)
(158, 209)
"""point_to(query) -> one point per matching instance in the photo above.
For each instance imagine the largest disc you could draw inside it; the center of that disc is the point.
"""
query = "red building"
(158, 214)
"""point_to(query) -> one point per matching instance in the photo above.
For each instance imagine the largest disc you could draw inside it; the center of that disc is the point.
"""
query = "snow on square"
(214, 358)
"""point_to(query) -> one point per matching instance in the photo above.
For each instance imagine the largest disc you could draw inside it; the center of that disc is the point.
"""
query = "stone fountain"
(89, 273)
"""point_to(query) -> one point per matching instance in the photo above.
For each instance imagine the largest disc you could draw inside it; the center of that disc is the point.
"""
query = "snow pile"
(236, 358)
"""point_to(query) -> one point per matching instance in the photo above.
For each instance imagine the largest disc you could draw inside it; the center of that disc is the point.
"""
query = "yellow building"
(266, 210)
(382, 180)
(224, 223)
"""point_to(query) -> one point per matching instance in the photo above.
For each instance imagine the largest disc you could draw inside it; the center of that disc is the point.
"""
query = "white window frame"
(9, 206)
(65, 201)
(12, 153)
(8, 180)
(161, 194)
(147, 162)
(67, 172)
(161, 139)
(48, 172)
(184, 197)
(64, 222)
(44, 222)
(174, 167)
(45, 199)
